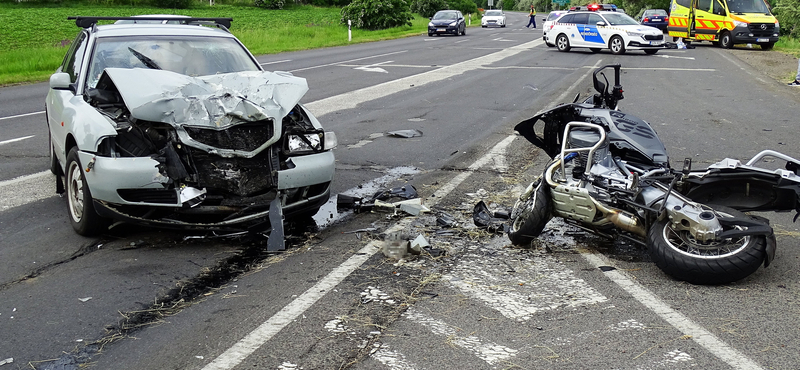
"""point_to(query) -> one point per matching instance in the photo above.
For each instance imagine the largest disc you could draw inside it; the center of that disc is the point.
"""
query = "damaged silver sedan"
(177, 126)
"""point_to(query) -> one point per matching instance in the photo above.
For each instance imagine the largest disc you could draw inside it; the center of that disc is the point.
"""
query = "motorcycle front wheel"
(718, 262)
(530, 214)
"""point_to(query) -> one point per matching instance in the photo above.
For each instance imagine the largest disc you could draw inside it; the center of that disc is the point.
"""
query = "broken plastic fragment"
(484, 218)
(418, 244)
(84, 299)
(405, 133)
(413, 206)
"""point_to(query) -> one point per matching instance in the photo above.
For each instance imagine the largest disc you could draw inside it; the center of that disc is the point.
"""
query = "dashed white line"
(347, 61)
(21, 115)
(15, 140)
(276, 62)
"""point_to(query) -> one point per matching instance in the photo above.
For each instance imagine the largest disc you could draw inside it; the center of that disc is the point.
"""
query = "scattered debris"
(378, 202)
(446, 220)
(395, 246)
(405, 133)
(84, 299)
(607, 268)
(364, 230)
(492, 221)
(418, 244)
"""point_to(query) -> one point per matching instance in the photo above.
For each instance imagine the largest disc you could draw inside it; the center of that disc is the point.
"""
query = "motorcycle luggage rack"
(591, 150)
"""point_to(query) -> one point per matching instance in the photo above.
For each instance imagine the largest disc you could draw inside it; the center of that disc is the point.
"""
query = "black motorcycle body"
(610, 174)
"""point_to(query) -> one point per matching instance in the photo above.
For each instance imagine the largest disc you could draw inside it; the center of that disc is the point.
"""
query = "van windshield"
(747, 6)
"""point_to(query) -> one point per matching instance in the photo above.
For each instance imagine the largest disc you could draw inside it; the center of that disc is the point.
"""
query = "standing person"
(796, 82)
(533, 18)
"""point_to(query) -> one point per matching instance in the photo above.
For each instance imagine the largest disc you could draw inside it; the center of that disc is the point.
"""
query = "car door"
(578, 37)
(592, 33)
(59, 102)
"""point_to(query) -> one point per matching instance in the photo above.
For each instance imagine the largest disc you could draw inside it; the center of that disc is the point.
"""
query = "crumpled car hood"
(215, 101)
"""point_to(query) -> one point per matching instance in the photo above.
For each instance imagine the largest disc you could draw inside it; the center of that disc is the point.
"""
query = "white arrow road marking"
(373, 68)
(490, 352)
(15, 140)
(674, 56)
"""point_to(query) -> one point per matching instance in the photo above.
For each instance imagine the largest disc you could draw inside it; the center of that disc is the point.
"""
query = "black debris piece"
(446, 220)
(486, 219)
(358, 204)
(607, 268)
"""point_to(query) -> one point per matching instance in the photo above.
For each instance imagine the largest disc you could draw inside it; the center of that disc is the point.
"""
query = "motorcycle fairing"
(745, 189)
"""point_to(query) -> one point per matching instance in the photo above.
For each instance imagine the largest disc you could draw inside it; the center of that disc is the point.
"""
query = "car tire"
(562, 43)
(430, 34)
(767, 45)
(595, 50)
(617, 45)
(464, 32)
(503, 26)
(725, 40)
(82, 215)
(483, 26)
(651, 51)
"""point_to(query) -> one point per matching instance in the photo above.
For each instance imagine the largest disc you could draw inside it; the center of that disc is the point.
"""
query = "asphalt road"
(145, 299)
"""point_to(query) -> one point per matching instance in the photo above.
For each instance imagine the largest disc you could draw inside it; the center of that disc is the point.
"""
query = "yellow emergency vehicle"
(724, 22)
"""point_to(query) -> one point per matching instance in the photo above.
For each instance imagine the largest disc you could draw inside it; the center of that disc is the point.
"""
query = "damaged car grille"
(163, 196)
(246, 137)
(237, 176)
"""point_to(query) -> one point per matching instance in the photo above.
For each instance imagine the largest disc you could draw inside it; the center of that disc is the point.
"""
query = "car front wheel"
(562, 42)
(617, 45)
(82, 215)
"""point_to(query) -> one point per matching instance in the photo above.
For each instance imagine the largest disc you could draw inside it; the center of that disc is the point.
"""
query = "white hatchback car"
(548, 22)
(600, 27)
(493, 18)
(177, 126)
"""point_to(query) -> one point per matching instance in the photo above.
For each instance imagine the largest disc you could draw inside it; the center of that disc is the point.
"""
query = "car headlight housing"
(635, 34)
(310, 143)
(740, 24)
(430, 24)
(453, 23)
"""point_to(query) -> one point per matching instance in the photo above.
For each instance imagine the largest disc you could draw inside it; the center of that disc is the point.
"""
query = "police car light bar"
(594, 7)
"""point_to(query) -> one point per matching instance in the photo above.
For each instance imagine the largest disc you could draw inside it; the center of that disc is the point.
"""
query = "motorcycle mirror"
(577, 96)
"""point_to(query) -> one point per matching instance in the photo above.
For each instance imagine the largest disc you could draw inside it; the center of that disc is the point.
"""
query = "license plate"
(441, 30)
(762, 40)
(656, 43)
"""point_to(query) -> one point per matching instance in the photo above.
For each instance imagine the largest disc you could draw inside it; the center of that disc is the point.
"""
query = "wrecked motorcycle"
(609, 174)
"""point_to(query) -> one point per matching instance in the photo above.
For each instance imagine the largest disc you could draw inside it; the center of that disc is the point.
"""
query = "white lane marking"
(392, 359)
(391, 65)
(351, 99)
(374, 67)
(458, 42)
(348, 61)
(21, 115)
(490, 352)
(674, 56)
(276, 62)
(26, 189)
(698, 334)
(264, 332)
(433, 39)
(15, 140)
(589, 67)
(519, 284)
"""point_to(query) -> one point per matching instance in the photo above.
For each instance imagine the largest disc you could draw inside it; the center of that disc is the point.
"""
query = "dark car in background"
(447, 22)
(657, 18)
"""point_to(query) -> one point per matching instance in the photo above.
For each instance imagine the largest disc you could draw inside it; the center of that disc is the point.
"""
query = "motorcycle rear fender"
(745, 188)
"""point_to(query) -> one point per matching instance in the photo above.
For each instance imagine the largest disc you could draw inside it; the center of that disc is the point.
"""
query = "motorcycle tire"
(705, 263)
(530, 215)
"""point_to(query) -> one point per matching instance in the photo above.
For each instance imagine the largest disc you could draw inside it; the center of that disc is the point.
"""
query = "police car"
(601, 26)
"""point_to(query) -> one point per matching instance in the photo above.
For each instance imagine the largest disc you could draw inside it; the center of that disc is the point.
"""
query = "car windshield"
(619, 19)
(747, 6)
(193, 56)
(493, 13)
(553, 16)
(653, 12)
(445, 15)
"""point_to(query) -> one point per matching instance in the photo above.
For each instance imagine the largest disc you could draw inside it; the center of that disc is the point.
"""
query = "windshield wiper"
(149, 63)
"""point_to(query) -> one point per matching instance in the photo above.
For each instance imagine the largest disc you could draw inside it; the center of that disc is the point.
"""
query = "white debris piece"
(7, 361)
(84, 299)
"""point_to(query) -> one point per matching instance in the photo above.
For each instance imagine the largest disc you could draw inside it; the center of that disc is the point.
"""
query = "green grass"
(35, 36)
(788, 45)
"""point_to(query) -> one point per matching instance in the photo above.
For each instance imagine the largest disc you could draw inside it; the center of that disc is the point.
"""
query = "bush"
(465, 6)
(377, 14)
(788, 15)
(270, 4)
(427, 8)
(172, 4)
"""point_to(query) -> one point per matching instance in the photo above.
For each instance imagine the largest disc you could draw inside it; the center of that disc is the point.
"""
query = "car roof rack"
(88, 22)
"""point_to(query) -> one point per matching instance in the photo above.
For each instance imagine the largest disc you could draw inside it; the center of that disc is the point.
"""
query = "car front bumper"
(443, 29)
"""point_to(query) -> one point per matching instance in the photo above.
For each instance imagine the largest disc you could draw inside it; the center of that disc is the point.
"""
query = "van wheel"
(726, 41)
(562, 42)
(767, 45)
(617, 45)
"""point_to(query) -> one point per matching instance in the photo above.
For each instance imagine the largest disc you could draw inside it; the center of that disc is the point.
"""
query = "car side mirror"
(431, 18)
(601, 24)
(60, 81)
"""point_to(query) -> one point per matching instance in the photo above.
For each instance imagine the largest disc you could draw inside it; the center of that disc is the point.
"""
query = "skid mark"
(490, 352)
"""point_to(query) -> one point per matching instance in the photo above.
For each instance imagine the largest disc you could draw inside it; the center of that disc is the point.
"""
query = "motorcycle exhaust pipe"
(621, 219)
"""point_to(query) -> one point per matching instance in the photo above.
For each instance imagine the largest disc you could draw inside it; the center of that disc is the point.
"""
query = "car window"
(193, 56)
(566, 19)
(553, 16)
(74, 58)
(704, 5)
(594, 18)
(580, 18)
(619, 19)
(445, 15)
(661, 12)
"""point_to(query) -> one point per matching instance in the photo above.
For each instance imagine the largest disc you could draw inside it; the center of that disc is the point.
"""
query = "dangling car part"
(177, 126)
(610, 174)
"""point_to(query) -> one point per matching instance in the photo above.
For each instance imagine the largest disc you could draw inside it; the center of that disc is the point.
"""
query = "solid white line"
(699, 334)
(15, 140)
(20, 179)
(280, 61)
(348, 61)
(21, 115)
(250, 343)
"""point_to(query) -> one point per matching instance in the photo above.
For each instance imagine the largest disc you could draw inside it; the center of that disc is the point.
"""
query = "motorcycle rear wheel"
(530, 215)
(721, 262)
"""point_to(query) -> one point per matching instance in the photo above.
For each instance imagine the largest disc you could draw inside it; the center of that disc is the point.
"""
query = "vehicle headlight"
(453, 23)
(430, 24)
(635, 34)
(315, 142)
(740, 24)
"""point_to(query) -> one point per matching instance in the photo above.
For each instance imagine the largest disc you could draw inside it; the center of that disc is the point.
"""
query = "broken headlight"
(310, 143)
